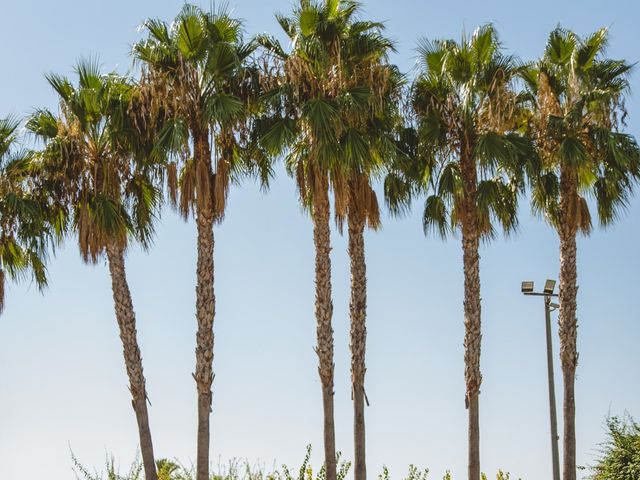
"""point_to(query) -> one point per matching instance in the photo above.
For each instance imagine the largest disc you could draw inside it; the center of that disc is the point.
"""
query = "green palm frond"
(200, 83)
(434, 217)
(94, 159)
(576, 100)
(561, 46)
(468, 151)
(26, 230)
(89, 75)
(61, 85)
(8, 130)
(335, 118)
(43, 124)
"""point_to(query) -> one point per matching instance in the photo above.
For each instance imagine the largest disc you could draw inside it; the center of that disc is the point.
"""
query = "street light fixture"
(549, 287)
(528, 289)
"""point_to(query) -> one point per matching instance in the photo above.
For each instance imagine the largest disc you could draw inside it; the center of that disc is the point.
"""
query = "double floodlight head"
(527, 287)
(549, 287)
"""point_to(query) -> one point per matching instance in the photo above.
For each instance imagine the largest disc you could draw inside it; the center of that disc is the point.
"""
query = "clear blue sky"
(62, 378)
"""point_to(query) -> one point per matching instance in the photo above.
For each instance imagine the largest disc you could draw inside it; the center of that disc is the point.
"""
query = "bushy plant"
(111, 470)
(243, 470)
(414, 473)
(620, 454)
(305, 472)
(235, 470)
(417, 474)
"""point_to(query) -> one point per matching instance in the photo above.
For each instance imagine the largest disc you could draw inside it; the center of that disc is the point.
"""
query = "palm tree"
(198, 78)
(577, 97)
(24, 230)
(329, 93)
(94, 166)
(376, 127)
(463, 150)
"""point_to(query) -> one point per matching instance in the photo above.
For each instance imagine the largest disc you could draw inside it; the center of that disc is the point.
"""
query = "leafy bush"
(414, 474)
(305, 472)
(620, 453)
(243, 470)
(235, 470)
(112, 472)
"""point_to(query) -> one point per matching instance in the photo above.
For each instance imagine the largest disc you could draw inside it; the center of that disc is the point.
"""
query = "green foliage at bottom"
(620, 454)
(243, 470)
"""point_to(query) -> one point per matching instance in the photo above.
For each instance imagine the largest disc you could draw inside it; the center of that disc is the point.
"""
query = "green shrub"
(305, 472)
(111, 471)
(414, 474)
(243, 470)
(620, 453)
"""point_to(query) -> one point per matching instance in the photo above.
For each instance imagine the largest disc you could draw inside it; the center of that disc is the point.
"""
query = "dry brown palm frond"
(172, 183)
(548, 105)
(342, 198)
(299, 74)
(84, 231)
(583, 216)
(499, 113)
(356, 199)
(204, 185)
(301, 183)
(271, 72)
(222, 177)
(319, 185)
(372, 207)
(2, 287)
(187, 187)
(460, 213)
(483, 222)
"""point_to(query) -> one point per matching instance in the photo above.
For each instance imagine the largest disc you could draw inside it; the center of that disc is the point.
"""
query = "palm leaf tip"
(434, 217)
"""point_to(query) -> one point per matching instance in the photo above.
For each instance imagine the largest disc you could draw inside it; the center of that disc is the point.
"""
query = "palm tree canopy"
(25, 228)
(577, 98)
(95, 163)
(198, 77)
(332, 102)
(463, 145)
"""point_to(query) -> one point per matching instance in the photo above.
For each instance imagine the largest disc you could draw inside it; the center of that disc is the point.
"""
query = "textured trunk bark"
(205, 312)
(472, 307)
(358, 313)
(568, 323)
(474, 436)
(324, 330)
(568, 347)
(133, 361)
(472, 345)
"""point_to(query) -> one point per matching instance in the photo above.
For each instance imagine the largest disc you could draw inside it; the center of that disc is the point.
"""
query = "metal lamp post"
(547, 293)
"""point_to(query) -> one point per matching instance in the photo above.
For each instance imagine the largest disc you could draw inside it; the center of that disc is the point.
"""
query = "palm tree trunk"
(472, 343)
(205, 312)
(472, 306)
(324, 330)
(568, 347)
(568, 323)
(133, 361)
(358, 313)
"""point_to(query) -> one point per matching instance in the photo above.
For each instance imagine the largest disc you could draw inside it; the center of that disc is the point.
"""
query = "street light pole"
(527, 289)
(552, 392)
